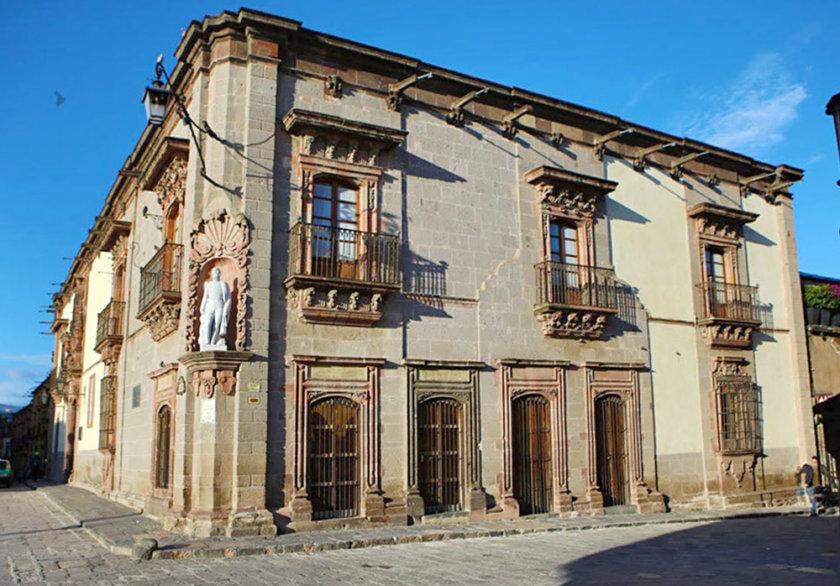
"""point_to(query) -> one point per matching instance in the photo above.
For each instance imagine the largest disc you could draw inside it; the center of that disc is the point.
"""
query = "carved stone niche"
(219, 241)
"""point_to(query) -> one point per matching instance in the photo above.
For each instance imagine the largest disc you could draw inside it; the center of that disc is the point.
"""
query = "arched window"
(162, 450)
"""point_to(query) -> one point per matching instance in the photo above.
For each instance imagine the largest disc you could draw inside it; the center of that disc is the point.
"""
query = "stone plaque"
(254, 387)
(208, 411)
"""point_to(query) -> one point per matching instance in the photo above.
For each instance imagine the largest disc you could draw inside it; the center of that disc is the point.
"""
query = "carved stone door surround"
(446, 379)
(546, 378)
(620, 379)
(319, 377)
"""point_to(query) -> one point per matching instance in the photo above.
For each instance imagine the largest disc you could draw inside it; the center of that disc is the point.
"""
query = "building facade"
(446, 296)
(30, 434)
(821, 297)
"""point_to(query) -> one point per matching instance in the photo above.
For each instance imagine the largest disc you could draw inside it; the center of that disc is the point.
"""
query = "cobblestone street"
(39, 543)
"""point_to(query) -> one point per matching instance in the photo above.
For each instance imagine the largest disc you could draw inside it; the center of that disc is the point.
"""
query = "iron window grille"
(738, 408)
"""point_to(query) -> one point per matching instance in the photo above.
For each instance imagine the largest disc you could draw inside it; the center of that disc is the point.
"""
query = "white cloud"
(636, 97)
(19, 374)
(815, 159)
(752, 113)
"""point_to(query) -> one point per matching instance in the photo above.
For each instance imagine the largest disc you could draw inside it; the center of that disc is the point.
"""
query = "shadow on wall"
(619, 211)
(424, 286)
(750, 235)
(417, 167)
(767, 550)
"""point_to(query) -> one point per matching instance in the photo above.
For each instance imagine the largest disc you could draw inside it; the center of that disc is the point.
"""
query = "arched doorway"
(532, 469)
(333, 459)
(439, 454)
(611, 446)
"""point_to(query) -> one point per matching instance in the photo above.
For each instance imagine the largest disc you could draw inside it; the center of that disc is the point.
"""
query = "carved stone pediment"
(729, 366)
(567, 193)
(168, 175)
(115, 240)
(340, 139)
(718, 222)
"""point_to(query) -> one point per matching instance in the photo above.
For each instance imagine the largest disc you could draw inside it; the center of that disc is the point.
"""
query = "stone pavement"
(118, 528)
(40, 543)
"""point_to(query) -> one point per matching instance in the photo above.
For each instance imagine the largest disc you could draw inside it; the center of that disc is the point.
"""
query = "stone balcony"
(729, 314)
(340, 276)
(160, 291)
(574, 301)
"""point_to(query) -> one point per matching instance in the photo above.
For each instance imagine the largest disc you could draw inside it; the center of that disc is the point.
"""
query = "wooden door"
(611, 441)
(532, 470)
(333, 462)
(439, 454)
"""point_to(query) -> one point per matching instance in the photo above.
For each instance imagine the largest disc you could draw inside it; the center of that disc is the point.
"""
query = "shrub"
(825, 296)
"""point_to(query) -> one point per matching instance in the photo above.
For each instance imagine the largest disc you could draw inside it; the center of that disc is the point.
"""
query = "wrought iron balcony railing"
(326, 253)
(161, 277)
(732, 302)
(109, 322)
(576, 285)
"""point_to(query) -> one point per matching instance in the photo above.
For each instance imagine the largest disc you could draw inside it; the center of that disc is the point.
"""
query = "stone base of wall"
(259, 522)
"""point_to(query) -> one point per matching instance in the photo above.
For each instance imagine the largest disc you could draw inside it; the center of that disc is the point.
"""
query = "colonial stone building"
(446, 296)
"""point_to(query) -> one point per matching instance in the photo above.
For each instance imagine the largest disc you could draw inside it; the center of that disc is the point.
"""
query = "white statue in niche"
(215, 307)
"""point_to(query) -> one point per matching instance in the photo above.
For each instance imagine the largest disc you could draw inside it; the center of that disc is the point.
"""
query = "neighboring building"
(447, 295)
(5, 434)
(30, 431)
(821, 296)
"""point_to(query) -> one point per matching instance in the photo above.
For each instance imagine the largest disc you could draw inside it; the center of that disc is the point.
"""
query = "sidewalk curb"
(123, 547)
(126, 535)
(318, 542)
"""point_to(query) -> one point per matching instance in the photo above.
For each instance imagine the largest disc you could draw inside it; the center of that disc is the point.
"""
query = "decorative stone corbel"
(210, 371)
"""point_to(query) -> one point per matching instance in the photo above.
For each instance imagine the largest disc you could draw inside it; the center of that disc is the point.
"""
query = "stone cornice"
(298, 122)
(308, 359)
(447, 83)
(545, 175)
(721, 212)
(444, 364)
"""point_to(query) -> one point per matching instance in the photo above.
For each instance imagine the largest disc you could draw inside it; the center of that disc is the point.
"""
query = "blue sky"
(750, 76)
